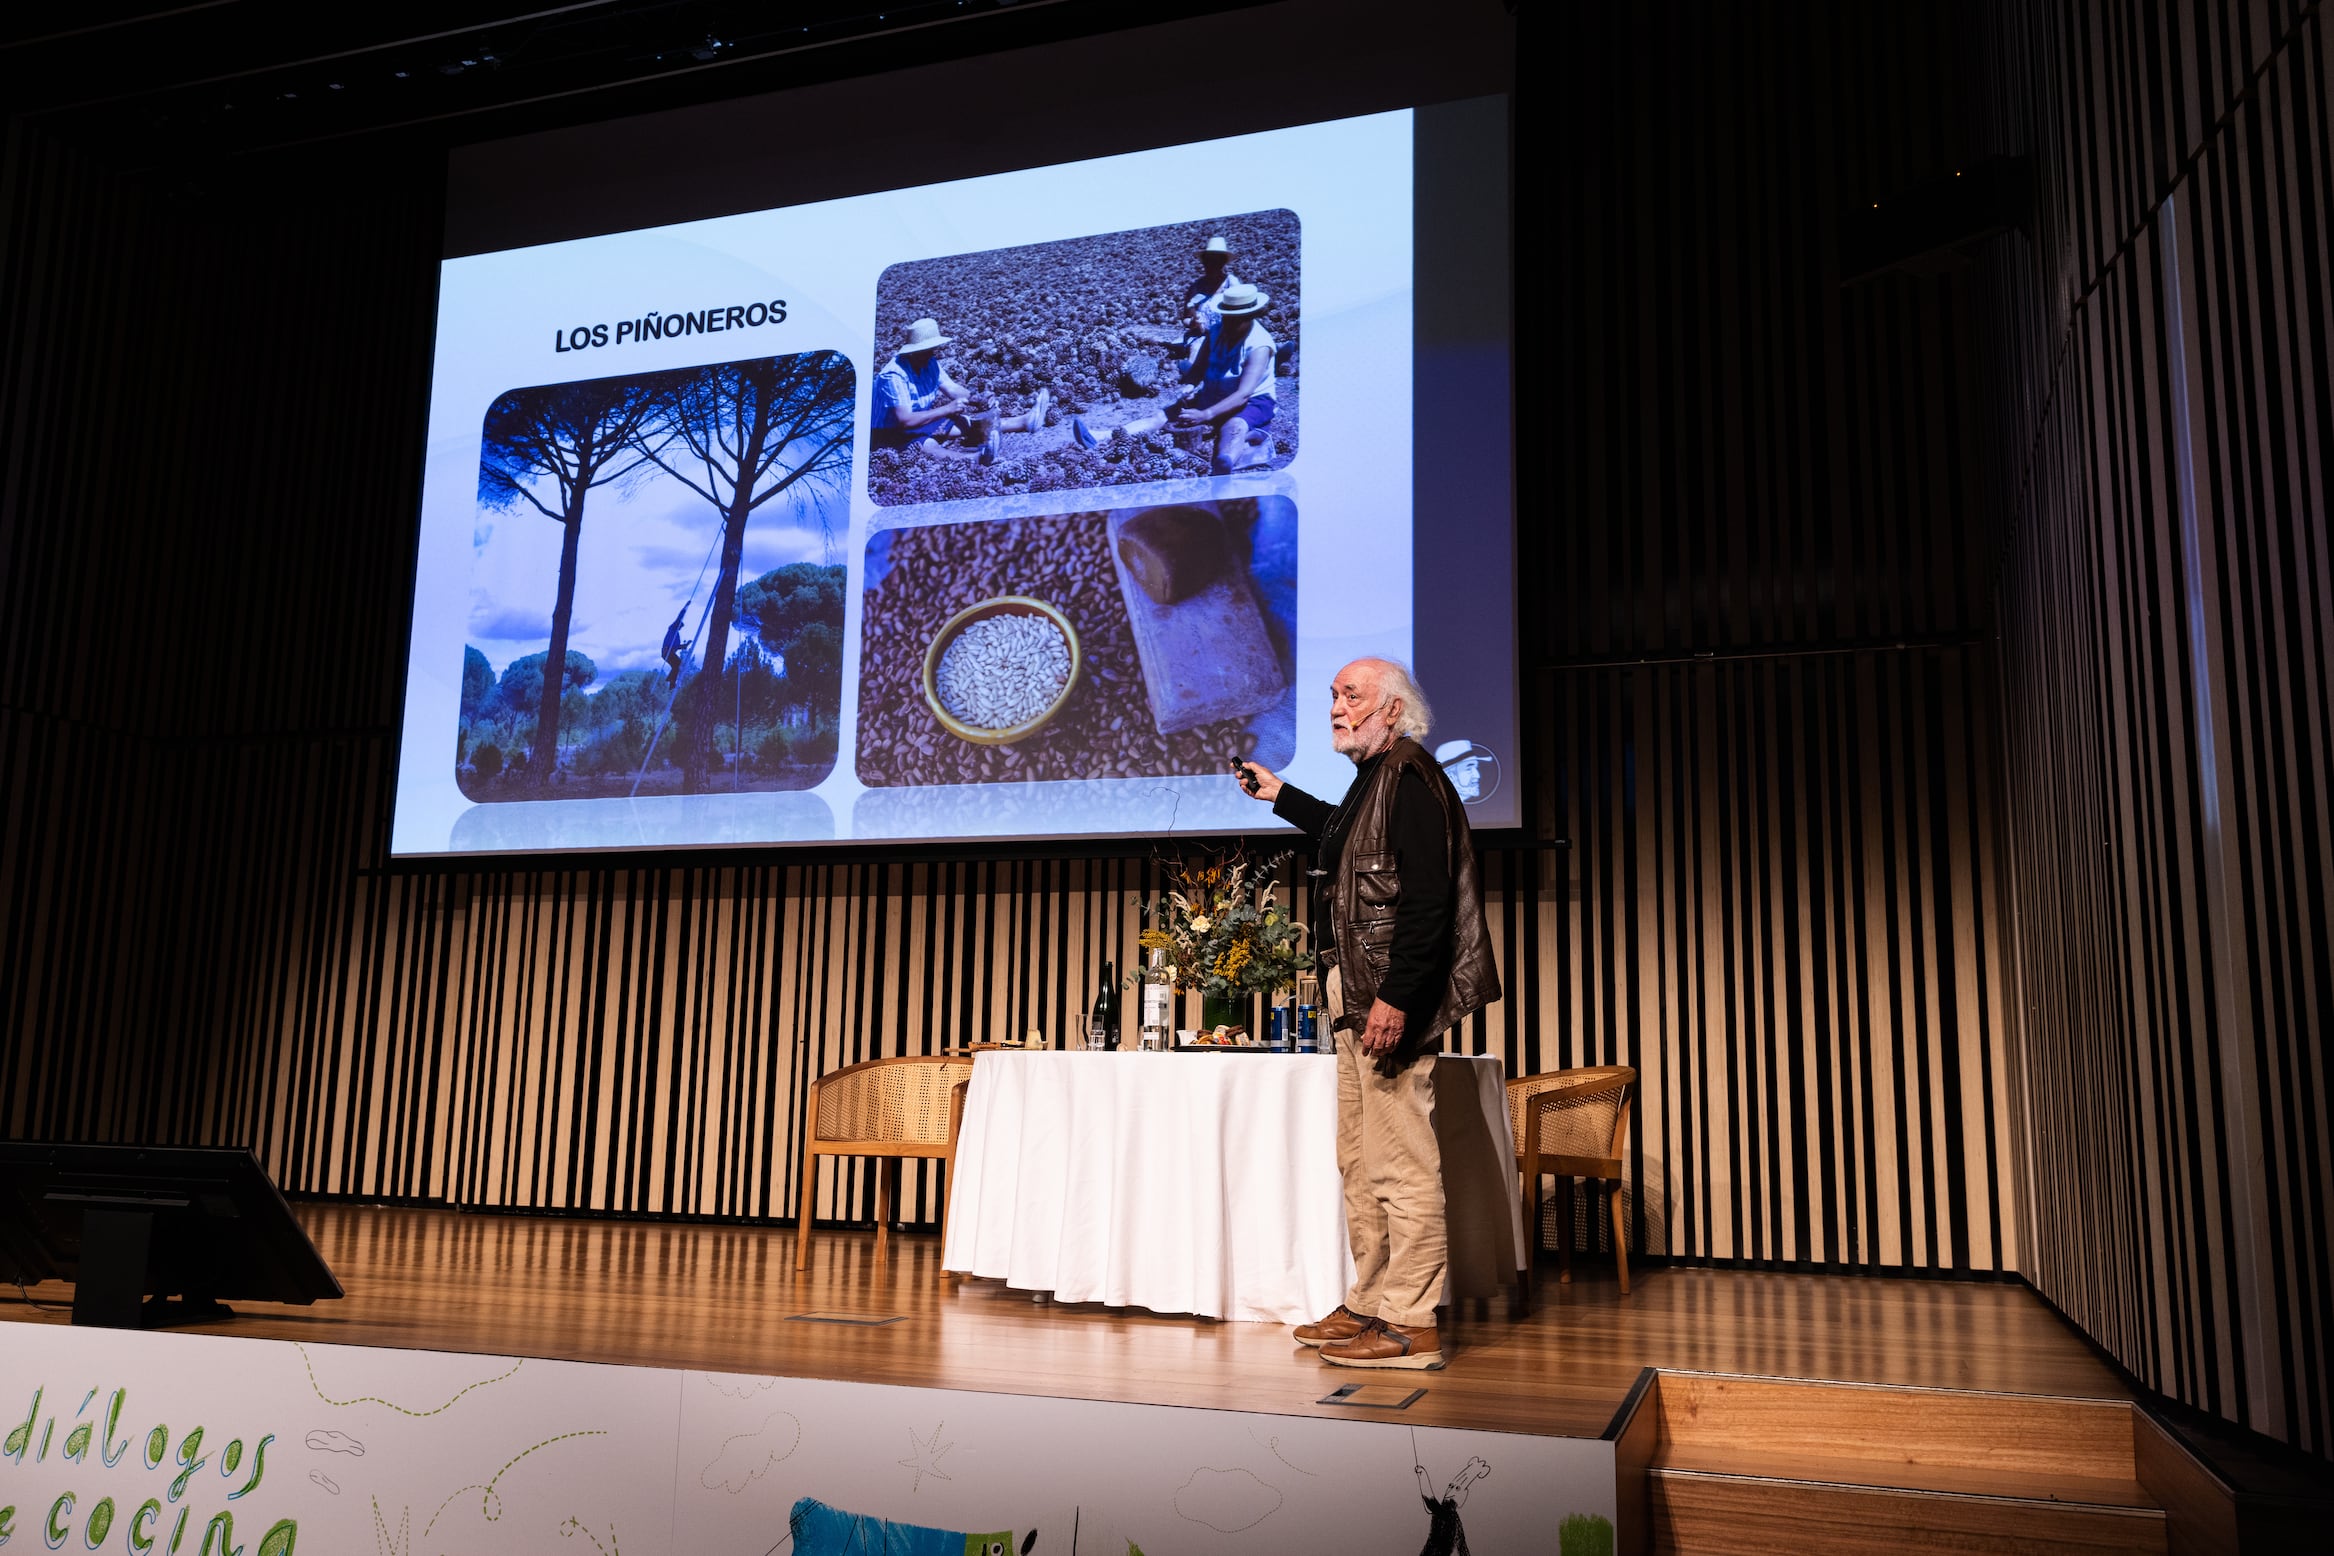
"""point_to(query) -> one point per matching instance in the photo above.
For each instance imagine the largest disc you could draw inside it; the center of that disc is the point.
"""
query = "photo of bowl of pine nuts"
(999, 671)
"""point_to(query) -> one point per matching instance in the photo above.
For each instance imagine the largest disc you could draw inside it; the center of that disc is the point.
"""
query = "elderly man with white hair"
(1409, 958)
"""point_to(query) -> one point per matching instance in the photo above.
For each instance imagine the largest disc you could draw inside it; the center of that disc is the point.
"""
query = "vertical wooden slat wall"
(2163, 341)
(1757, 568)
(1775, 906)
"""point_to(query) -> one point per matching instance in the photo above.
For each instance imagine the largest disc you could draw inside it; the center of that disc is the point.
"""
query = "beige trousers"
(1393, 1171)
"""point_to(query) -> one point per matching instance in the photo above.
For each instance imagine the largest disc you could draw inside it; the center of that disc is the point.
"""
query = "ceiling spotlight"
(401, 75)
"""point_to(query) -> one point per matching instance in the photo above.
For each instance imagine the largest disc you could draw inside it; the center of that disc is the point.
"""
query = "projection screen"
(1000, 507)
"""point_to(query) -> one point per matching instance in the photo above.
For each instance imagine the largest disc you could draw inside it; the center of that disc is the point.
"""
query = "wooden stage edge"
(725, 1299)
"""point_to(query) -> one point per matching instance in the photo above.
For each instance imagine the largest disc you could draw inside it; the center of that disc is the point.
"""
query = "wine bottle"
(1103, 1019)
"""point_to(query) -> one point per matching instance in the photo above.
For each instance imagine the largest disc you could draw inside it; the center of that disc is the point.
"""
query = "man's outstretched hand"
(1259, 782)
(1383, 1032)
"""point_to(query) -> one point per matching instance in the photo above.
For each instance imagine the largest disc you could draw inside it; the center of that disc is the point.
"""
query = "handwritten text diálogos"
(103, 1514)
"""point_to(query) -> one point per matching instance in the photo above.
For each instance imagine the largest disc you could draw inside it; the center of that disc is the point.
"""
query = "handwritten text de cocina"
(655, 325)
(106, 1513)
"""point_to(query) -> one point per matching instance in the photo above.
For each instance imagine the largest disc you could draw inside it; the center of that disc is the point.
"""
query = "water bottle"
(1158, 996)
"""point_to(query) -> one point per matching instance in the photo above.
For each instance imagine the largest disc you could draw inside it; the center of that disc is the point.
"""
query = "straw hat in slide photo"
(924, 335)
(1241, 299)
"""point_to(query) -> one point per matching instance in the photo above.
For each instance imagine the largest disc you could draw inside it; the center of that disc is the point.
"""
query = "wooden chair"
(1573, 1124)
(888, 1108)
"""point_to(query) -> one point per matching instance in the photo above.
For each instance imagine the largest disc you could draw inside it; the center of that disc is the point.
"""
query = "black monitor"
(191, 1226)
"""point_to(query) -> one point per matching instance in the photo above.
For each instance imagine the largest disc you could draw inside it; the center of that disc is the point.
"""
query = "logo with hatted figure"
(1473, 769)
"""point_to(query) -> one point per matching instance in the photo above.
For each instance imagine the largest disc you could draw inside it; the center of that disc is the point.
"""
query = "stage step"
(1695, 1511)
(1744, 1464)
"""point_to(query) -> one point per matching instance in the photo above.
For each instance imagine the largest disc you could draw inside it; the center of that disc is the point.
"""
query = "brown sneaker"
(1343, 1323)
(1381, 1344)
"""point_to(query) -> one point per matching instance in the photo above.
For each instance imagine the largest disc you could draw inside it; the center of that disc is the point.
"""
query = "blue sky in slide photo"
(645, 542)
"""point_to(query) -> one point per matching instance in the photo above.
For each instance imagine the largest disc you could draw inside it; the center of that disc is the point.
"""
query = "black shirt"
(1419, 964)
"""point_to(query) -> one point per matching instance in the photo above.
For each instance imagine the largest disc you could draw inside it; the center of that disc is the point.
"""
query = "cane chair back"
(1575, 1124)
(1583, 1118)
(892, 1109)
(895, 1101)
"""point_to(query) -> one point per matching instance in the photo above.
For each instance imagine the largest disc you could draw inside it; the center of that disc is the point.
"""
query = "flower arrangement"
(1224, 930)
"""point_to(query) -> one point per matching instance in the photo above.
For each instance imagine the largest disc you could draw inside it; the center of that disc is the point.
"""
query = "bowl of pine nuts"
(1000, 670)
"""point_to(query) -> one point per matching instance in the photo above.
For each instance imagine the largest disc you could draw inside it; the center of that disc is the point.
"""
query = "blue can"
(1308, 1030)
(1281, 1030)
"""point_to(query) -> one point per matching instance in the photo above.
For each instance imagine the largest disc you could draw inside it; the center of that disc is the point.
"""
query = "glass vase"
(1231, 1011)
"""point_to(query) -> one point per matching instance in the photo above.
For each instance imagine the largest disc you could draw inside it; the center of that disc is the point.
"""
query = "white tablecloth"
(1202, 1183)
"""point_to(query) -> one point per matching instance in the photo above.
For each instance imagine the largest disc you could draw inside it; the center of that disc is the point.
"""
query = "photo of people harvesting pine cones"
(1153, 355)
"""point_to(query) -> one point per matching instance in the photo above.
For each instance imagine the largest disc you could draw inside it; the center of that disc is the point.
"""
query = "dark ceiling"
(184, 85)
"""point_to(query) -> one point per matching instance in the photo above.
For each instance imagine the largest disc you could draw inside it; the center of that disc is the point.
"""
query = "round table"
(1202, 1183)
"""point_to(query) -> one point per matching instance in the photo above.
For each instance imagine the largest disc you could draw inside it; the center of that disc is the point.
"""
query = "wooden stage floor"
(724, 1299)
